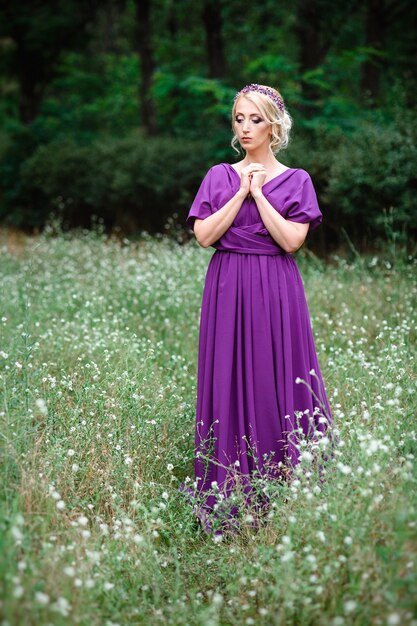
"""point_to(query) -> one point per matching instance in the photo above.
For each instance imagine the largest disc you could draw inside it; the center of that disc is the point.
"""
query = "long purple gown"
(255, 343)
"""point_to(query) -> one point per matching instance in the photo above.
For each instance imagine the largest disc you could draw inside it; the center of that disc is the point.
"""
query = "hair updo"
(280, 121)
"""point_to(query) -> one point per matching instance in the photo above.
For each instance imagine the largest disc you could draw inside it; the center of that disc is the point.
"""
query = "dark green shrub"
(134, 182)
(372, 178)
(366, 179)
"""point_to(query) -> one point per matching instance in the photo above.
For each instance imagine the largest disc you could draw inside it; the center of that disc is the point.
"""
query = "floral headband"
(266, 91)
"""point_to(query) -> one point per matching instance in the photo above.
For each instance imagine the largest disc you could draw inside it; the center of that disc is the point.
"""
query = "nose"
(246, 126)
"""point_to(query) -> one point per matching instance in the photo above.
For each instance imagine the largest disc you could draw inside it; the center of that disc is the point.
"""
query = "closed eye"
(255, 120)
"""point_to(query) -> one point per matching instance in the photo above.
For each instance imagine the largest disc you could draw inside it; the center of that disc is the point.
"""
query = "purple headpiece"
(266, 91)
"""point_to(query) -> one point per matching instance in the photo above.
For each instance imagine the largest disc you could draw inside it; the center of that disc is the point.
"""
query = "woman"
(258, 374)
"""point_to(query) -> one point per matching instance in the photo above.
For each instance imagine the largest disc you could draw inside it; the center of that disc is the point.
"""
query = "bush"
(366, 179)
(133, 182)
(372, 178)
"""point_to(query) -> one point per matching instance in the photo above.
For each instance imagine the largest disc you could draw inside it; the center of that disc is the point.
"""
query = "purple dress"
(255, 343)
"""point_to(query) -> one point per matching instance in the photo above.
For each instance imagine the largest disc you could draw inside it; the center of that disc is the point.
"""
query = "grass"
(98, 361)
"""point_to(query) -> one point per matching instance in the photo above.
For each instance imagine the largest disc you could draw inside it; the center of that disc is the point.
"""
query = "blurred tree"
(109, 33)
(212, 19)
(94, 73)
(318, 26)
(147, 64)
(39, 32)
(375, 21)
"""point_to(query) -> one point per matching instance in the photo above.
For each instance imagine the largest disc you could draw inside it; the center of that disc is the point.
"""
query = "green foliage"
(194, 107)
(91, 96)
(74, 78)
(365, 177)
(129, 181)
(372, 172)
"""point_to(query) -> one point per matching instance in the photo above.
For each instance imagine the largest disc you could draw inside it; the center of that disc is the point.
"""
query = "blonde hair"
(280, 121)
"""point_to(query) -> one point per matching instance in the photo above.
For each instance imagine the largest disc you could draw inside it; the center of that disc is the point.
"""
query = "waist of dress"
(251, 251)
(249, 239)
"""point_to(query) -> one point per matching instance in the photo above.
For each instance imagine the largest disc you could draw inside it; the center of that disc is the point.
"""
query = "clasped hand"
(252, 178)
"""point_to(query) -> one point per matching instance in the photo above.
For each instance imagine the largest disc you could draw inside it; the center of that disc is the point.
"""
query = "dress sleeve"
(303, 206)
(202, 205)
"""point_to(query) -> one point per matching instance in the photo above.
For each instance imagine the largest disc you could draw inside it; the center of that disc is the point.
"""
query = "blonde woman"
(258, 374)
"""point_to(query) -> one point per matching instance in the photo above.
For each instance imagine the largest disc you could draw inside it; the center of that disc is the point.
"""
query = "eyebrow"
(257, 114)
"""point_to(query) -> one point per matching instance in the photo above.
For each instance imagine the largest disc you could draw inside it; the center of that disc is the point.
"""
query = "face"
(252, 130)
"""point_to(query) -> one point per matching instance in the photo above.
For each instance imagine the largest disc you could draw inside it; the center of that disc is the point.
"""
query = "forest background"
(113, 111)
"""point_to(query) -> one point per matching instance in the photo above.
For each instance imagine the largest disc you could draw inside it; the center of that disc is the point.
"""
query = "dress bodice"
(291, 193)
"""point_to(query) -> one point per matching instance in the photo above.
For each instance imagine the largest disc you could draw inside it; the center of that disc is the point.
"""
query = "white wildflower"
(41, 406)
(217, 598)
(16, 533)
(345, 469)
(69, 571)
(62, 606)
(349, 606)
(393, 619)
(18, 591)
(42, 598)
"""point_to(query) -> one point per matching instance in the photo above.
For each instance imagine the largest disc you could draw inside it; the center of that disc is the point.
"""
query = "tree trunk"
(315, 30)
(32, 84)
(374, 38)
(212, 19)
(311, 55)
(147, 65)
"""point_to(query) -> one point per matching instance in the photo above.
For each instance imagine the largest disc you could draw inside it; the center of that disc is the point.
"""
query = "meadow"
(98, 359)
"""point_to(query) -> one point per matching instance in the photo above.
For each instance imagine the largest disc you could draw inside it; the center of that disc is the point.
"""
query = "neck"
(262, 155)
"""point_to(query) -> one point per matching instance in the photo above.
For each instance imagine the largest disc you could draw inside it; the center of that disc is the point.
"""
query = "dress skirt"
(259, 378)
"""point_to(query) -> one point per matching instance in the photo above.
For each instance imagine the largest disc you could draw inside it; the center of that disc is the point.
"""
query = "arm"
(210, 229)
(289, 235)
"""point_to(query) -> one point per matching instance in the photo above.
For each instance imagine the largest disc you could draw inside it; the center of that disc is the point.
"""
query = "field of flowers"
(98, 358)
